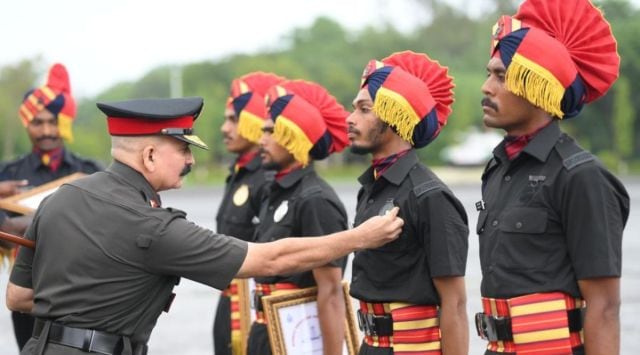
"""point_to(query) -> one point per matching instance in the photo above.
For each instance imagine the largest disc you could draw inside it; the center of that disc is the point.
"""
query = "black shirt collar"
(396, 172)
(293, 177)
(540, 146)
(135, 179)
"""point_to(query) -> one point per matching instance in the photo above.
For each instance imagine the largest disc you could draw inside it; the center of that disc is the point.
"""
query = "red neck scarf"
(244, 159)
(382, 164)
(513, 145)
(282, 173)
(51, 159)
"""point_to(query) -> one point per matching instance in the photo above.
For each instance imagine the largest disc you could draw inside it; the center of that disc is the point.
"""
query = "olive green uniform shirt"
(106, 259)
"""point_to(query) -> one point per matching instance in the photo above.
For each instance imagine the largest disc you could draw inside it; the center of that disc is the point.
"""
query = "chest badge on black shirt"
(281, 211)
(241, 195)
(388, 206)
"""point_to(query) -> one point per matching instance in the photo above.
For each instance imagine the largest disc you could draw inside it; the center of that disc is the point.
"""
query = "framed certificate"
(28, 201)
(293, 325)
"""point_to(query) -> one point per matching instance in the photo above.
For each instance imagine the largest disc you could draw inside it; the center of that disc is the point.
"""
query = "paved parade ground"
(186, 330)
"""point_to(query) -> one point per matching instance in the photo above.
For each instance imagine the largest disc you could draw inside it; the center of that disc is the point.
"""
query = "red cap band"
(123, 126)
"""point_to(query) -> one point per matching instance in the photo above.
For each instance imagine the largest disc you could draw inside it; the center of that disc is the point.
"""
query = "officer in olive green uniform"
(108, 256)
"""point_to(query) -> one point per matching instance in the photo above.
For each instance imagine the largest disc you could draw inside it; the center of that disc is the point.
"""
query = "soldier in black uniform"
(238, 212)
(552, 217)
(306, 124)
(108, 255)
(411, 292)
(47, 114)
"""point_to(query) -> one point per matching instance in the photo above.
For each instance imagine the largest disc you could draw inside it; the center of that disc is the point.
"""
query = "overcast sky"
(103, 42)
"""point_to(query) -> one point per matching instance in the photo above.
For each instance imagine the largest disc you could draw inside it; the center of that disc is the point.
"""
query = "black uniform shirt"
(433, 243)
(552, 216)
(300, 204)
(238, 212)
(105, 259)
(30, 167)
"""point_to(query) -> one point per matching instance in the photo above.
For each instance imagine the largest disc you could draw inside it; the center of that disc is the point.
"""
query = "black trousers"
(22, 327)
(258, 343)
(365, 349)
(222, 327)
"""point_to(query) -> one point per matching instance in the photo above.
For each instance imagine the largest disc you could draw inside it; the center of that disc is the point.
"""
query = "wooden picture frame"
(28, 201)
(246, 289)
(292, 322)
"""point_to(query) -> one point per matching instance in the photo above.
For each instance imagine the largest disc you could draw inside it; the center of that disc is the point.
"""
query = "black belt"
(86, 339)
(493, 328)
(373, 325)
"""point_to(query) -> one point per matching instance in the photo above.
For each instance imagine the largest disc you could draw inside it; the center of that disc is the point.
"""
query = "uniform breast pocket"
(399, 245)
(524, 220)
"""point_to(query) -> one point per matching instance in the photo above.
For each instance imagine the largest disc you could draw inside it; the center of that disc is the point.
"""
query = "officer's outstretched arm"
(19, 299)
(290, 255)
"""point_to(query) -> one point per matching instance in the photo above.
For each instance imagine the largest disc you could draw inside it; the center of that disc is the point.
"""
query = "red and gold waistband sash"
(539, 323)
(416, 328)
(236, 334)
(266, 290)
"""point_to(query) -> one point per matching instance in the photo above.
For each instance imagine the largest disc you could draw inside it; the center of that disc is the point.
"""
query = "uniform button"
(370, 201)
(482, 230)
(518, 225)
(494, 223)
(507, 178)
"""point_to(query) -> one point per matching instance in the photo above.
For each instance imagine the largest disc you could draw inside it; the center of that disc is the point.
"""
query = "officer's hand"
(11, 187)
(380, 230)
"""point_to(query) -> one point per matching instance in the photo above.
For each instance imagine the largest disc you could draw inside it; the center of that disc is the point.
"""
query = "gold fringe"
(250, 126)
(64, 126)
(293, 138)
(236, 343)
(395, 110)
(536, 84)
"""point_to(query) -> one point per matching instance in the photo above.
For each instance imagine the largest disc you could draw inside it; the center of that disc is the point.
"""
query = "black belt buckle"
(493, 328)
(363, 324)
(373, 325)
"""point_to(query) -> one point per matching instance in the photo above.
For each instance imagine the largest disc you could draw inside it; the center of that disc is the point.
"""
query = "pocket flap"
(524, 220)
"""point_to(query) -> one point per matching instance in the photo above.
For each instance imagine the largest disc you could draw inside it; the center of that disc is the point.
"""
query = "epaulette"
(422, 181)
(310, 191)
(571, 153)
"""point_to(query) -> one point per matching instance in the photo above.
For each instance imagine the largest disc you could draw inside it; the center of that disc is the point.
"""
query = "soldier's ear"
(148, 158)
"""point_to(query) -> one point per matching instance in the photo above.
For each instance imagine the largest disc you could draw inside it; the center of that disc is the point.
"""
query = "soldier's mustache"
(487, 102)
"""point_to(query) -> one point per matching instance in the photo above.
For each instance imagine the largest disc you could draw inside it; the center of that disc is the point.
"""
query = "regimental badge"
(388, 206)
(281, 211)
(241, 195)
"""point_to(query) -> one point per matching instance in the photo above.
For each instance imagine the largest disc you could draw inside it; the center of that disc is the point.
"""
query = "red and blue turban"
(411, 93)
(559, 54)
(308, 121)
(247, 100)
(54, 96)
